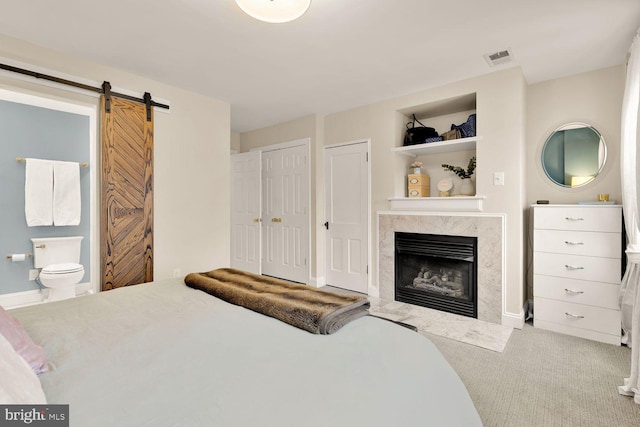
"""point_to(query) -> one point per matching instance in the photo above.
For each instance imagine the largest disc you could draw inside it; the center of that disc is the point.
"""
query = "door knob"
(257, 219)
(276, 219)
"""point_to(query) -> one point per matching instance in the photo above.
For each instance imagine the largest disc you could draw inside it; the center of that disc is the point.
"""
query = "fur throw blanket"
(311, 309)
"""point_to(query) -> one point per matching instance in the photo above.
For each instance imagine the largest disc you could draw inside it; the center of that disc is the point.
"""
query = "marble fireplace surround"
(488, 228)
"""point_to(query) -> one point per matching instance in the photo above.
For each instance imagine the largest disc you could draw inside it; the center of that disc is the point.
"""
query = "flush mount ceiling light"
(274, 11)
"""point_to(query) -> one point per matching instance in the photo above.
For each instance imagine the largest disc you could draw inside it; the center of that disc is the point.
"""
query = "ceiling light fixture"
(274, 11)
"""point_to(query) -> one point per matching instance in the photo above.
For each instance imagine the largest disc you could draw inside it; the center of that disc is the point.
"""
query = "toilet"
(59, 259)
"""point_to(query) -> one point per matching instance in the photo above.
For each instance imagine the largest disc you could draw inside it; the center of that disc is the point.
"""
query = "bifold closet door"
(126, 218)
(285, 214)
(246, 216)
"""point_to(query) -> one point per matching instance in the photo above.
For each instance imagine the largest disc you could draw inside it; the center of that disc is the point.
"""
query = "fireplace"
(437, 271)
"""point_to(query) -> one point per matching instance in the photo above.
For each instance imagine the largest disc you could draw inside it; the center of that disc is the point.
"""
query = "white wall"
(191, 165)
(594, 98)
(235, 142)
(501, 115)
(500, 105)
(514, 120)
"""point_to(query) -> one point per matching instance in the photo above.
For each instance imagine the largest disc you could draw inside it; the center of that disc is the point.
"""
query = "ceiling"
(341, 54)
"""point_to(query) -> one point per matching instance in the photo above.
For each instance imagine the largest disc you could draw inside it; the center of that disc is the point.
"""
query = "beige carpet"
(545, 379)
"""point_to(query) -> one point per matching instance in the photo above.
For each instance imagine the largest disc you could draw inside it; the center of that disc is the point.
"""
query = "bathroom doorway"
(39, 127)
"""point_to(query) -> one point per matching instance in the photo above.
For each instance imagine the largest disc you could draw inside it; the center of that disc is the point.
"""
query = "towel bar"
(22, 159)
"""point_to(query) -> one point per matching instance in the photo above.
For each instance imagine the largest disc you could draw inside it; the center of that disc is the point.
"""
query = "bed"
(164, 354)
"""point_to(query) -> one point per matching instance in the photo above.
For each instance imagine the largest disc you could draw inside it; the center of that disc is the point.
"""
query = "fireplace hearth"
(437, 271)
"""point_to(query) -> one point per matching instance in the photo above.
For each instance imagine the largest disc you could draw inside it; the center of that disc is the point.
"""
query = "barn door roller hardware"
(106, 85)
(147, 103)
(106, 89)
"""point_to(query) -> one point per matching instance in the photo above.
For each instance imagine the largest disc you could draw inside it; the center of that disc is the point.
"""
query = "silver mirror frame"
(568, 126)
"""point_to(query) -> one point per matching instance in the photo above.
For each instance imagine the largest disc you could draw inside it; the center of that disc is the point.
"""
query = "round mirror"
(573, 155)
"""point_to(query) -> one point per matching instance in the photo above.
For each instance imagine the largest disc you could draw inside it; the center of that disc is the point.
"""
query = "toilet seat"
(61, 279)
(64, 268)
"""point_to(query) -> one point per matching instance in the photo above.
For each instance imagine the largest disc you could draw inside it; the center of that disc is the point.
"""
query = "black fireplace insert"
(437, 271)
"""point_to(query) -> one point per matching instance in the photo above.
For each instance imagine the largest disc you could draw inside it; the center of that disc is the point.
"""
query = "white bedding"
(163, 354)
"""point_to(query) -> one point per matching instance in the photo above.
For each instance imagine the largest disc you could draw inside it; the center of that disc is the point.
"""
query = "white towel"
(38, 192)
(66, 193)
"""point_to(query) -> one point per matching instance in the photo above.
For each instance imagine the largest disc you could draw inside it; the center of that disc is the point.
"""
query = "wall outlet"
(33, 273)
(498, 178)
(177, 273)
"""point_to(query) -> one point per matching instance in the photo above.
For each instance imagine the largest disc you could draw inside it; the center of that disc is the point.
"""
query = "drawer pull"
(573, 243)
(570, 218)
(575, 316)
(573, 292)
(573, 267)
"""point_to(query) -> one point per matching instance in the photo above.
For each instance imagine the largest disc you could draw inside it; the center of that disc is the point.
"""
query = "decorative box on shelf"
(418, 185)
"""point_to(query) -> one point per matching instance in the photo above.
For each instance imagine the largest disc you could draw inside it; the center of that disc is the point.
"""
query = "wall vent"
(499, 57)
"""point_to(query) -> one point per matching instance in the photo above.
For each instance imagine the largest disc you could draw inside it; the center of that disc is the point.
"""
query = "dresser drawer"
(576, 291)
(577, 267)
(579, 243)
(578, 218)
(587, 317)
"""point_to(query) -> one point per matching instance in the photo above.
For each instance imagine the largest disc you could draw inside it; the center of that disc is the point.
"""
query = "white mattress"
(163, 354)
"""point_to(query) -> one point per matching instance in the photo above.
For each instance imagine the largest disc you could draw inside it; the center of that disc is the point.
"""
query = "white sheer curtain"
(629, 290)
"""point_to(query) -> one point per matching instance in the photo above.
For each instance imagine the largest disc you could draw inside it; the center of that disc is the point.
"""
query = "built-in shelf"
(449, 146)
(442, 204)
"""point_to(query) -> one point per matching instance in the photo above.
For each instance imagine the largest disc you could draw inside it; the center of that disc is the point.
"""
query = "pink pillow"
(22, 343)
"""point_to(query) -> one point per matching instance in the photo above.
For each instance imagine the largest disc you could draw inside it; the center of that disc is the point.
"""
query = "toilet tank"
(56, 250)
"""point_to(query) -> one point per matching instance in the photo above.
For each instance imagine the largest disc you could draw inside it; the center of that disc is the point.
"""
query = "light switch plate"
(498, 178)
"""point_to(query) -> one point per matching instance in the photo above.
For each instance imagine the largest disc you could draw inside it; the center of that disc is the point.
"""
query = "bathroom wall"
(30, 131)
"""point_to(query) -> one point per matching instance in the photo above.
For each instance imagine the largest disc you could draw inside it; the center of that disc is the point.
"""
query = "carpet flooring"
(543, 378)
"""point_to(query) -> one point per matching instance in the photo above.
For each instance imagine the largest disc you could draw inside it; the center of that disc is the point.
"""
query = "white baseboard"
(35, 296)
(513, 320)
(317, 282)
(373, 291)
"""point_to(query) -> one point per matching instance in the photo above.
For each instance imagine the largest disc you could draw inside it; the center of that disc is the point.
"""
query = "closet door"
(126, 220)
(246, 204)
(285, 213)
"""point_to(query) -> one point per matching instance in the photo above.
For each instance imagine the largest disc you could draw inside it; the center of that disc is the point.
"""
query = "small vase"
(467, 188)
(416, 170)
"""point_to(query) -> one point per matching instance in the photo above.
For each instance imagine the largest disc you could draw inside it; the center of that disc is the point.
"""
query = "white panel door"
(347, 210)
(285, 212)
(245, 212)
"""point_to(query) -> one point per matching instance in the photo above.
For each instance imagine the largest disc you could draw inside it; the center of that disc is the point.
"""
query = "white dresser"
(577, 270)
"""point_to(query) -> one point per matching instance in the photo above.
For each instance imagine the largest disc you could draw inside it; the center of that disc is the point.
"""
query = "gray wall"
(28, 131)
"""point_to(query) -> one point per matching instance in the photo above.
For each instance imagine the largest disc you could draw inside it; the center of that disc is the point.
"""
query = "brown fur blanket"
(311, 309)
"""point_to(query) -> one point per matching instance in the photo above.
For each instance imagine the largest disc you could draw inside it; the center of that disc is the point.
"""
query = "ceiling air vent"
(498, 58)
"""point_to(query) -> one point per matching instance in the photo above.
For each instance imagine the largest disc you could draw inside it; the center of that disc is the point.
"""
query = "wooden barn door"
(126, 220)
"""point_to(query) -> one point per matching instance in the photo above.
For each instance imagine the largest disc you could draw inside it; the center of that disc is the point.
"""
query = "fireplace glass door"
(437, 271)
